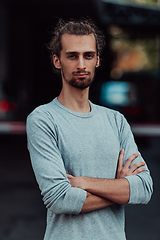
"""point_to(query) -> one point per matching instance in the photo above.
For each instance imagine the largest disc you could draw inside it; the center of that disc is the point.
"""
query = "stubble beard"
(79, 83)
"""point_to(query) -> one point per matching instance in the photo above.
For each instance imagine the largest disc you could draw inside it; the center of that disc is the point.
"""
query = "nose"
(81, 63)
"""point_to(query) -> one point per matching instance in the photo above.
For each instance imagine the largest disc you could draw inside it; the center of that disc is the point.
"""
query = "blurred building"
(129, 77)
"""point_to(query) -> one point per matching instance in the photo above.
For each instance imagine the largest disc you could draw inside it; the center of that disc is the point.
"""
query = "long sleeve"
(141, 185)
(48, 166)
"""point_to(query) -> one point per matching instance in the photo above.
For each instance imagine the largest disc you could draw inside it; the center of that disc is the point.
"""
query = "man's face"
(78, 60)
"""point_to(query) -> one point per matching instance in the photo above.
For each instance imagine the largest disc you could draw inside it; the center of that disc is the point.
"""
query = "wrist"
(82, 183)
(87, 183)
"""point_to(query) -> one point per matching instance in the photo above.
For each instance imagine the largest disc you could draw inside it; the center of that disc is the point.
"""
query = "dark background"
(28, 80)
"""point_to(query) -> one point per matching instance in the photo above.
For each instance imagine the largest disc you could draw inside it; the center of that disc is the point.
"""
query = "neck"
(75, 99)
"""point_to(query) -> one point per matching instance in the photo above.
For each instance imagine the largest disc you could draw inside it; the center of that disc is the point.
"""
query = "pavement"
(23, 215)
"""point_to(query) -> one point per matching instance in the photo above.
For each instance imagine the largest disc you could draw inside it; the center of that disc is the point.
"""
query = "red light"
(4, 106)
(7, 106)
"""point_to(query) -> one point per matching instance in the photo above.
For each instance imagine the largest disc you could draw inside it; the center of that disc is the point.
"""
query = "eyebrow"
(70, 52)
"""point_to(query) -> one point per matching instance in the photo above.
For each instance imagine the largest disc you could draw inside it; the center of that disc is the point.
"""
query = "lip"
(81, 75)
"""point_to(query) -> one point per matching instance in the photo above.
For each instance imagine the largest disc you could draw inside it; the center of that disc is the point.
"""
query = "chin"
(81, 83)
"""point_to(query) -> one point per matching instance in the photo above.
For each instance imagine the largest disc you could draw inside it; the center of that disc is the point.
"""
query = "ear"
(98, 60)
(56, 62)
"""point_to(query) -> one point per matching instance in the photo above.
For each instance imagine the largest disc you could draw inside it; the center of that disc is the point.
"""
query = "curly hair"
(74, 27)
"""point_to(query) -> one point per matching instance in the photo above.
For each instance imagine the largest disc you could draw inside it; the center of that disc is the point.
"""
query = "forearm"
(115, 190)
(94, 202)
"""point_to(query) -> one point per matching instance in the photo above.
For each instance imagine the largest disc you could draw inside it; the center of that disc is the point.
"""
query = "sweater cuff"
(134, 183)
(75, 199)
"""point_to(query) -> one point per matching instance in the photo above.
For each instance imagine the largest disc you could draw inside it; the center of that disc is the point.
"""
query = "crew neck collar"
(83, 115)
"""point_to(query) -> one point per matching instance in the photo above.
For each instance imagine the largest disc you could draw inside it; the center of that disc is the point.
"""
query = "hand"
(126, 170)
(75, 181)
(70, 178)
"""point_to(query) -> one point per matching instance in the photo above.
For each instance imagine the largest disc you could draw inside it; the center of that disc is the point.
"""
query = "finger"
(137, 165)
(130, 159)
(69, 176)
(120, 160)
(139, 170)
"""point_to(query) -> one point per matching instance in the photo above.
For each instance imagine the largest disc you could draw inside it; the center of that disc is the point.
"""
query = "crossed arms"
(105, 192)
(62, 195)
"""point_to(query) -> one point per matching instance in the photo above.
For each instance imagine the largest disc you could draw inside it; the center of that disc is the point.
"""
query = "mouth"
(81, 74)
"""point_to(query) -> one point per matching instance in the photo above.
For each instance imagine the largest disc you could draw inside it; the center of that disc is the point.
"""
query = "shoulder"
(110, 113)
(45, 109)
(115, 118)
(40, 122)
(43, 113)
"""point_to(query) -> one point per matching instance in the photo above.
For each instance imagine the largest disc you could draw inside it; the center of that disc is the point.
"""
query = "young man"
(84, 156)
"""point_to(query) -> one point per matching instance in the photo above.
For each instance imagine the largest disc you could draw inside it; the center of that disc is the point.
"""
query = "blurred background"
(128, 81)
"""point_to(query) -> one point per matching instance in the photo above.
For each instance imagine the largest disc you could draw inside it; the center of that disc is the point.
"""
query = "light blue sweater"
(61, 141)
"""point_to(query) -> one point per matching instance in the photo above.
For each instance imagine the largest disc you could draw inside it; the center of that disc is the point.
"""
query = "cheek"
(68, 67)
(93, 64)
(93, 67)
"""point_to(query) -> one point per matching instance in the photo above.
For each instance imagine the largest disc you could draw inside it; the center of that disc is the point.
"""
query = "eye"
(72, 56)
(89, 55)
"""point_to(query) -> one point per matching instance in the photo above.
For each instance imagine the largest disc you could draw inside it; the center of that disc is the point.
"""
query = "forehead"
(74, 43)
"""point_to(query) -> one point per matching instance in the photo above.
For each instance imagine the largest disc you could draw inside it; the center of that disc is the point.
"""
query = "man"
(84, 156)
